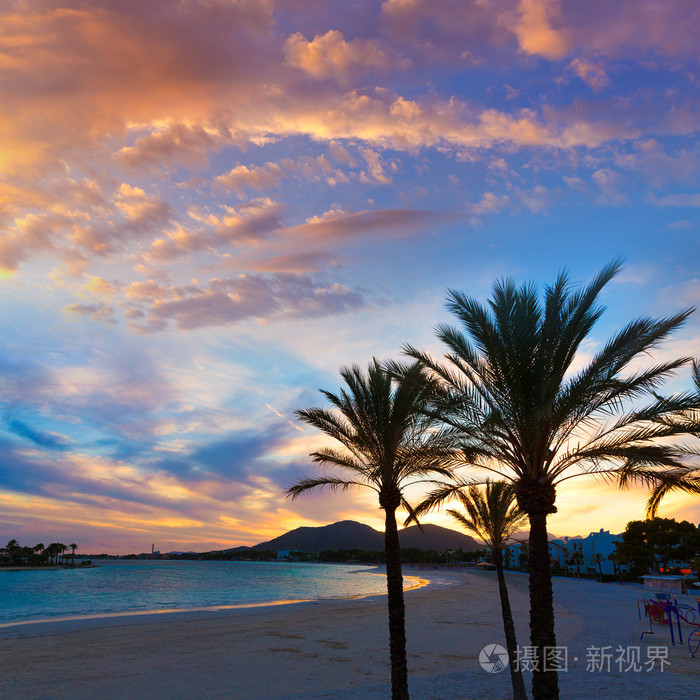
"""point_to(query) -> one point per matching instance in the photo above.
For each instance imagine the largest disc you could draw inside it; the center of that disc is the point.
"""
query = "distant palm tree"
(493, 515)
(72, 547)
(618, 560)
(527, 413)
(55, 550)
(597, 558)
(387, 444)
(576, 560)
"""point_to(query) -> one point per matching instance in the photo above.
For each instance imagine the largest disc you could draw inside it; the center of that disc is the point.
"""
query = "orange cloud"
(84, 72)
(330, 56)
(534, 30)
(260, 179)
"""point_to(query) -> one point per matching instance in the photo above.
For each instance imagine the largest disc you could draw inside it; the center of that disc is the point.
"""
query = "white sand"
(338, 649)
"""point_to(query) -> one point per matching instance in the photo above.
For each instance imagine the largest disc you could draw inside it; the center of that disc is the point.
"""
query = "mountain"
(349, 534)
(438, 538)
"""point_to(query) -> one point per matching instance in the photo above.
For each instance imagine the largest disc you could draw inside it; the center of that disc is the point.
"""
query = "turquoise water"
(139, 586)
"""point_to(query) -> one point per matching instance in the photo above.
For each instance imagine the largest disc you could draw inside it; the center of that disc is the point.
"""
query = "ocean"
(115, 586)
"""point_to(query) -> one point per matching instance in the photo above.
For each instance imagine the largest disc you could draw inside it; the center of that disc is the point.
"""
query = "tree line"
(658, 545)
(14, 554)
(508, 414)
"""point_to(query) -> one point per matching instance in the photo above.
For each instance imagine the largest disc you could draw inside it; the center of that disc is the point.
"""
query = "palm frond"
(381, 417)
(333, 483)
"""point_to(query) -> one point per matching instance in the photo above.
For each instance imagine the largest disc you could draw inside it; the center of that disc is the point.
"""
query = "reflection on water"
(134, 586)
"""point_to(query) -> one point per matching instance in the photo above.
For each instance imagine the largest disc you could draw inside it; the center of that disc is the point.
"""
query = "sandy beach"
(338, 649)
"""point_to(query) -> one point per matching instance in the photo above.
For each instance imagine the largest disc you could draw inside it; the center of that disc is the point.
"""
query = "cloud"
(593, 74)
(633, 28)
(609, 183)
(649, 157)
(679, 225)
(491, 203)
(153, 96)
(691, 199)
(93, 64)
(103, 313)
(246, 223)
(337, 225)
(172, 146)
(296, 263)
(101, 287)
(34, 235)
(246, 296)
(552, 29)
(533, 26)
(48, 440)
(329, 55)
(260, 179)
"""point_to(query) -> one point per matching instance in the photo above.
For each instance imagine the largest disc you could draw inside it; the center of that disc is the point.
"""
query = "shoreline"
(339, 648)
(84, 621)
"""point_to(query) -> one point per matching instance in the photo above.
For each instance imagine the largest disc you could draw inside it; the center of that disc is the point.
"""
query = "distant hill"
(349, 534)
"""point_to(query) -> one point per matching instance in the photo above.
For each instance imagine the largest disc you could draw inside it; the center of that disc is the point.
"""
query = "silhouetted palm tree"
(386, 443)
(72, 547)
(493, 515)
(577, 560)
(597, 559)
(527, 413)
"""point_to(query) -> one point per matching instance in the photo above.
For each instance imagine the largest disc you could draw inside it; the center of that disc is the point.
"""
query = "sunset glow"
(208, 206)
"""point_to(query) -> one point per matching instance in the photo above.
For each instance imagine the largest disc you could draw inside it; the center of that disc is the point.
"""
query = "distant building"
(562, 549)
(288, 554)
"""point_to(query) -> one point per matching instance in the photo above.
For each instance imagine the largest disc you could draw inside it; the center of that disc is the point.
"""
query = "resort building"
(566, 551)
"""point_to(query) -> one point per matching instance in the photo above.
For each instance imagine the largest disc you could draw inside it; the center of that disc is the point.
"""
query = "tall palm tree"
(386, 443)
(72, 547)
(527, 413)
(493, 515)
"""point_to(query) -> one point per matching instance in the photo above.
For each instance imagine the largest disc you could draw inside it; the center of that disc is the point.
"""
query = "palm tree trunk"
(516, 674)
(545, 684)
(397, 625)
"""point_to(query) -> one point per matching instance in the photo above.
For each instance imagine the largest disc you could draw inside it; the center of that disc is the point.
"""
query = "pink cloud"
(329, 55)
(103, 313)
(593, 74)
(256, 178)
(226, 301)
(175, 145)
(533, 25)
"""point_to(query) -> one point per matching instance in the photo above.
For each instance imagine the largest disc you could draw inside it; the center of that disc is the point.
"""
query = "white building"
(562, 550)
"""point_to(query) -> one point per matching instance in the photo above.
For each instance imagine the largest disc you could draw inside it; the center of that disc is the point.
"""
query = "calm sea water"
(136, 586)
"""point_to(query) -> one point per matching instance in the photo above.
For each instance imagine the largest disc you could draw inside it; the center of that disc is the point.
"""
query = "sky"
(208, 206)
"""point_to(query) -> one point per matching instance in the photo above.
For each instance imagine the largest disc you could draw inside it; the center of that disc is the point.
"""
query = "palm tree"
(493, 515)
(526, 413)
(72, 547)
(62, 549)
(39, 553)
(52, 550)
(386, 444)
(577, 560)
(597, 558)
